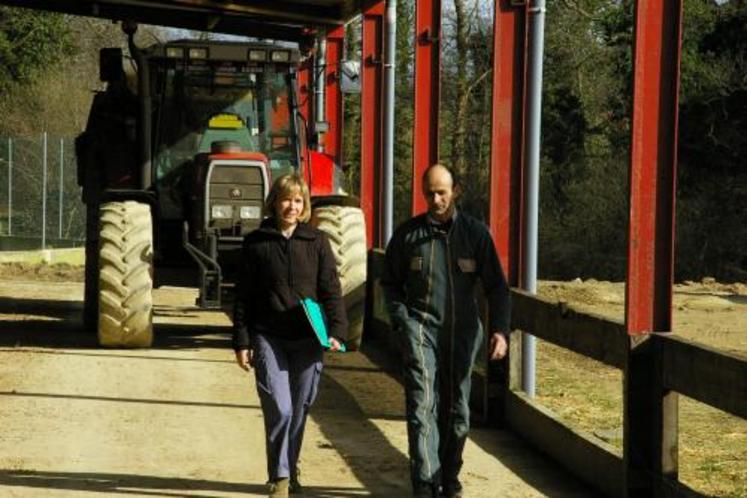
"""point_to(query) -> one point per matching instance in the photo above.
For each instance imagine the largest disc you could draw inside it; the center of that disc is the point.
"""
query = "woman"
(284, 261)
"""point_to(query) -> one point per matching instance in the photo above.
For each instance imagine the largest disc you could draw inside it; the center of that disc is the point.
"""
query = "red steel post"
(653, 158)
(507, 158)
(650, 439)
(506, 166)
(427, 94)
(333, 94)
(371, 120)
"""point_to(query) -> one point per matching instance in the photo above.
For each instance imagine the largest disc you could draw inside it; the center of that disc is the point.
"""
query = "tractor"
(177, 157)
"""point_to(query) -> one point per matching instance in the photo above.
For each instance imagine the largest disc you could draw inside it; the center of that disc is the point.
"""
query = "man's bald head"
(437, 171)
(439, 191)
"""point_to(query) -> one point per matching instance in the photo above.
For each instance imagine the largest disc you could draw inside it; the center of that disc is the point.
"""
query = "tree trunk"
(460, 123)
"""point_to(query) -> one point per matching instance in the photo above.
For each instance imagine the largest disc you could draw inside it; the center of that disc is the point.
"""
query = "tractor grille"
(234, 188)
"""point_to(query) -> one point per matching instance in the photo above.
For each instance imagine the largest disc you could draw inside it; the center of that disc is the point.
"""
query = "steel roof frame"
(277, 19)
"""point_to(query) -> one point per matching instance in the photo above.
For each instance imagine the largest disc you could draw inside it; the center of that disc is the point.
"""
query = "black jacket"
(275, 274)
(429, 279)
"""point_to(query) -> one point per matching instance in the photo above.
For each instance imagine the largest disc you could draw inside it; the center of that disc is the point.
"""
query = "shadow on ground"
(59, 324)
(131, 484)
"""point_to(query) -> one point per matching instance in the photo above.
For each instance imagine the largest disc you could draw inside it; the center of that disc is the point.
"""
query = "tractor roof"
(275, 19)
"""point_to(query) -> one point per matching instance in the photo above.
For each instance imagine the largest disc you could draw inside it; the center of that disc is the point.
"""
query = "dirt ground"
(181, 419)
(588, 395)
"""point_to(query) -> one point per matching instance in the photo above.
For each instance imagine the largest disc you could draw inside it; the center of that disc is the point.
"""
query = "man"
(432, 265)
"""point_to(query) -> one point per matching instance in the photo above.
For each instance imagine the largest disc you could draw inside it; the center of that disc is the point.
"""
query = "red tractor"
(176, 160)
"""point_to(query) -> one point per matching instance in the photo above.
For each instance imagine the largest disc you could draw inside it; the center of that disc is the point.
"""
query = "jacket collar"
(303, 230)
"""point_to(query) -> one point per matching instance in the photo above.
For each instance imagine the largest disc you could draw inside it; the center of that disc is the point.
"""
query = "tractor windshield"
(196, 105)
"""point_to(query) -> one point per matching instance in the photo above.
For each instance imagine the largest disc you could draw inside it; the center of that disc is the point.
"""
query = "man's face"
(438, 189)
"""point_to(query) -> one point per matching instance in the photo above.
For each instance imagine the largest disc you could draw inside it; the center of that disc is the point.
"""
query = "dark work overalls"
(429, 281)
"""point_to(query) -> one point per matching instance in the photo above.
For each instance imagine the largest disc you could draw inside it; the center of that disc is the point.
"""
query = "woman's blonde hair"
(284, 187)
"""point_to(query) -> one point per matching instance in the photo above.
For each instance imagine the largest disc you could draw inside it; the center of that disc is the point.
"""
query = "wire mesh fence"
(40, 203)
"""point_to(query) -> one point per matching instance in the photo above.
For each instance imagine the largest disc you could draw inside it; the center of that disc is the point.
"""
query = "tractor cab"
(177, 158)
(223, 127)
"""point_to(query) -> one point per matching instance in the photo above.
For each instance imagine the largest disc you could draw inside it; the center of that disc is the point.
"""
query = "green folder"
(316, 320)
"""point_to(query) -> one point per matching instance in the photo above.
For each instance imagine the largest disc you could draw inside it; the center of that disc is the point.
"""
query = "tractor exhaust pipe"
(143, 90)
(320, 73)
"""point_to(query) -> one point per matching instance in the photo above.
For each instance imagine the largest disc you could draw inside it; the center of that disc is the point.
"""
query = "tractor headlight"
(221, 212)
(198, 53)
(175, 52)
(257, 55)
(280, 56)
(250, 212)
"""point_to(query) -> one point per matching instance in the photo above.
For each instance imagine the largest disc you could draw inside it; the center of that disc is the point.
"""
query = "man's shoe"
(294, 486)
(279, 488)
(424, 490)
(452, 490)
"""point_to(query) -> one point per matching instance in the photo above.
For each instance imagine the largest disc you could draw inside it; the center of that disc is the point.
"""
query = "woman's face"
(289, 208)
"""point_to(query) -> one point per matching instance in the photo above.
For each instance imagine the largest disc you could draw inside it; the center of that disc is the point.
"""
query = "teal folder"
(316, 320)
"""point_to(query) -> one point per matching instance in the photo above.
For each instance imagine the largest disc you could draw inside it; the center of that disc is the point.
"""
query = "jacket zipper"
(289, 254)
(450, 418)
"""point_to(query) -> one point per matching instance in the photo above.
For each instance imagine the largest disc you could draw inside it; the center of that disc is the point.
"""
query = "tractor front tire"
(125, 311)
(346, 230)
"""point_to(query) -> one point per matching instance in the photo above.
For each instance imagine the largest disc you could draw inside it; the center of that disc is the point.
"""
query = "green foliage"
(583, 223)
(31, 42)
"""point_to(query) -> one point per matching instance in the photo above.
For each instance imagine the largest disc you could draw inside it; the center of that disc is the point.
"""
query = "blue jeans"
(287, 373)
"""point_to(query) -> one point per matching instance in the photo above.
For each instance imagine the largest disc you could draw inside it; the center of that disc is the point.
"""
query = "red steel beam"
(427, 94)
(653, 159)
(507, 142)
(371, 120)
(333, 94)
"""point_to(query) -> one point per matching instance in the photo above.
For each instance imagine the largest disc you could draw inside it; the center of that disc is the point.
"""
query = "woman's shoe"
(279, 488)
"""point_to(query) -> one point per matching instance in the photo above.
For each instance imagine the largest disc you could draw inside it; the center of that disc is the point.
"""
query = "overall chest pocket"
(467, 265)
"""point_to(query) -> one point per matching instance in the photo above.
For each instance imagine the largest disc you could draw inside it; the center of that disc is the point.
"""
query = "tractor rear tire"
(125, 275)
(346, 230)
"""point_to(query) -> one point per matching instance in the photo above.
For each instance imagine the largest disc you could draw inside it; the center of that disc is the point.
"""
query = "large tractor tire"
(125, 275)
(346, 229)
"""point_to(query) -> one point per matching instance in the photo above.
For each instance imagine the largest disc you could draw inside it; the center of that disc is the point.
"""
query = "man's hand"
(497, 347)
(334, 344)
(245, 358)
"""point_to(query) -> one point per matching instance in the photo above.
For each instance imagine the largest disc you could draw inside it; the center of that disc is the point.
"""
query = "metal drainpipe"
(390, 48)
(320, 70)
(143, 90)
(531, 185)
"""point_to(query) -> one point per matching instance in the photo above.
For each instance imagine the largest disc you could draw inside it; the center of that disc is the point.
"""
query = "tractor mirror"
(110, 64)
(350, 81)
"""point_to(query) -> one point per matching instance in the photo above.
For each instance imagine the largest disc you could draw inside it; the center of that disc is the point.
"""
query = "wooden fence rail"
(654, 368)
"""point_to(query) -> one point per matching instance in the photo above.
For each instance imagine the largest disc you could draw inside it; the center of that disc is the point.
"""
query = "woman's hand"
(245, 358)
(334, 344)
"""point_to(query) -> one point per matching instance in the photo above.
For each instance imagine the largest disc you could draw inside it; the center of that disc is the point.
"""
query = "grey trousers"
(287, 374)
(437, 378)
